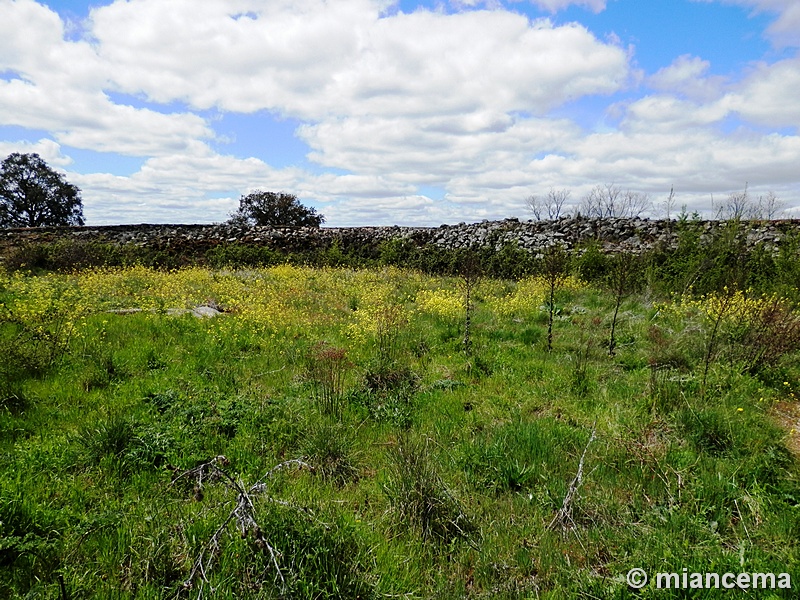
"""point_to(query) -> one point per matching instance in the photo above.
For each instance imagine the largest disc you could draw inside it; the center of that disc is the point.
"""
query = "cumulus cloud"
(316, 59)
(768, 95)
(57, 85)
(390, 103)
(687, 75)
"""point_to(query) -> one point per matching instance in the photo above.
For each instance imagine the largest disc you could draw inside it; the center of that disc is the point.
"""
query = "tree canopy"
(34, 195)
(276, 209)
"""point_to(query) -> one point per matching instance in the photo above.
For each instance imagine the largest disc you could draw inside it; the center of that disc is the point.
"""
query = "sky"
(410, 112)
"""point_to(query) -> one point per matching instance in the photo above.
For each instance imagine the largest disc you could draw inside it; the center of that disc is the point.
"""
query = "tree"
(34, 195)
(276, 210)
(738, 206)
(554, 270)
(610, 202)
(550, 206)
(624, 279)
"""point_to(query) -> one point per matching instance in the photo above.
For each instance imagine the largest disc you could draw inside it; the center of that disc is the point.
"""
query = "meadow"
(384, 433)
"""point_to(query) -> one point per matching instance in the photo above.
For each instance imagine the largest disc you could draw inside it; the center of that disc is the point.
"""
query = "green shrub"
(236, 255)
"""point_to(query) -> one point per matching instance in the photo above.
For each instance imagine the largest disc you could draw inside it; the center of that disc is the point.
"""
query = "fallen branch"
(564, 515)
(243, 514)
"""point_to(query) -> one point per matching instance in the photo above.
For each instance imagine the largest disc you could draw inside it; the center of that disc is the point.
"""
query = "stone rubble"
(613, 234)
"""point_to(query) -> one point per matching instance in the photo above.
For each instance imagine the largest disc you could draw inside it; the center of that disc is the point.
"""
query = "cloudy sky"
(401, 112)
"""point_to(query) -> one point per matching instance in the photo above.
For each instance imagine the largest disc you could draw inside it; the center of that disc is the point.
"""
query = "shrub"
(242, 255)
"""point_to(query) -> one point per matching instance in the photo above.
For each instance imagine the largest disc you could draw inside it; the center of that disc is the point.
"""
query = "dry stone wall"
(613, 234)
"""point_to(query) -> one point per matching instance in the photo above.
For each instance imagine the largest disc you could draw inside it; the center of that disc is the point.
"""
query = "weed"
(418, 454)
(419, 497)
(29, 540)
(710, 430)
(124, 444)
(581, 381)
(330, 447)
(327, 368)
(516, 457)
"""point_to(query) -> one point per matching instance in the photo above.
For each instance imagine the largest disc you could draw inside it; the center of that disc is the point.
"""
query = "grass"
(427, 472)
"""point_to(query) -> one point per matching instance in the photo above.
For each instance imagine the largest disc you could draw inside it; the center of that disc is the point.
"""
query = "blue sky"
(380, 112)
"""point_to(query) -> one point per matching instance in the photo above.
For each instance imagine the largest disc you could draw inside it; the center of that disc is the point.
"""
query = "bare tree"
(610, 201)
(769, 206)
(741, 205)
(551, 205)
(633, 204)
(536, 205)
(601, 201)
(737, 207)
(669, 203)
(555, 202)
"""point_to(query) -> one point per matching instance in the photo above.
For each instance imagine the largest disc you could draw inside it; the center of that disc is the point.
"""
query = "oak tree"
(275, 209)
(34, 195)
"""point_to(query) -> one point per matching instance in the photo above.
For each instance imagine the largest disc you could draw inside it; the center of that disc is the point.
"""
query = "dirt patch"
(787, 415)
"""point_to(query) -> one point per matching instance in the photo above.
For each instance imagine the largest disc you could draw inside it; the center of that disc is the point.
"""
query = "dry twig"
(564, 515)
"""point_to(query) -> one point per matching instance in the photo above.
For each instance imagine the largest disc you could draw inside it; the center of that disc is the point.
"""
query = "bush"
(242, 255)
(68, 255)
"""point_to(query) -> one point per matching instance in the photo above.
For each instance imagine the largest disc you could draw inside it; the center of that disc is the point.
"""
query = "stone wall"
(613, 234)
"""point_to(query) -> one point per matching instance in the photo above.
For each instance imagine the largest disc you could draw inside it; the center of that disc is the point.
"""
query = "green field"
(331, 435)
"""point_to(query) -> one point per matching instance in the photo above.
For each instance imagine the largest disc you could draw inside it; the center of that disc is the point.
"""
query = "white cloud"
(315, 59)
(57, 85)
(595, 6)
(769, 94)
(393, 102)
(49, 150)
(687, 75)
